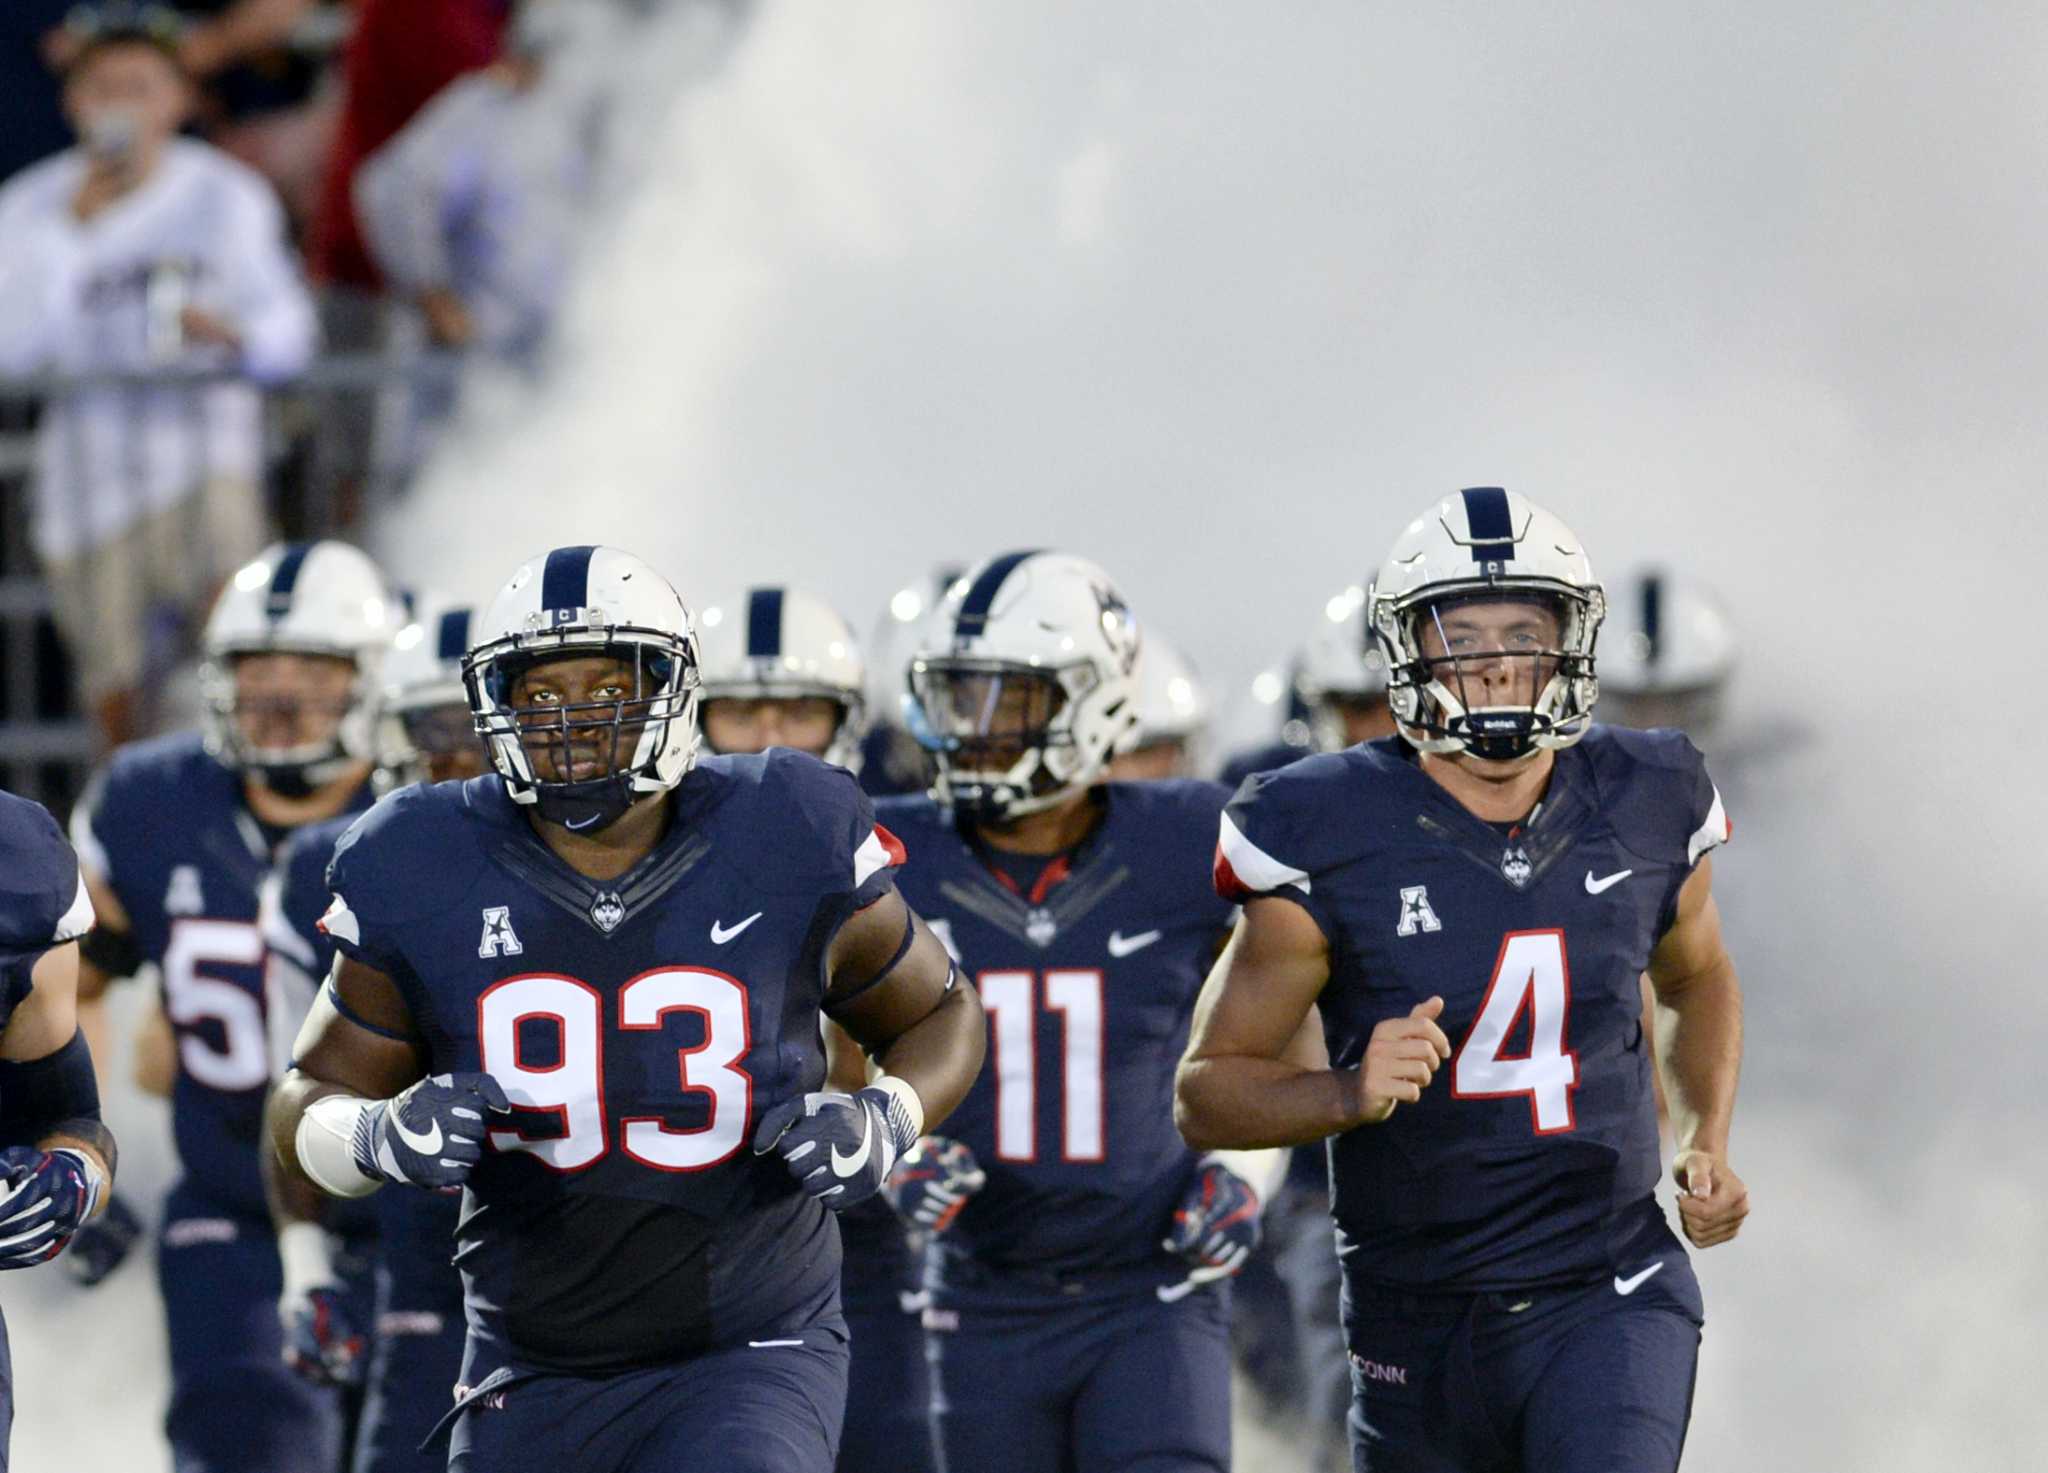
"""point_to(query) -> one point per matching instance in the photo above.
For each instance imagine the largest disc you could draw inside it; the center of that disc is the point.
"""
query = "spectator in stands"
(473, 210)
(399, 55)
(260, 93)
(138, 252)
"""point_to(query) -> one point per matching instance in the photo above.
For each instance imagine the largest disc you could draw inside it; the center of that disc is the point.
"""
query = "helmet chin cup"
(286, 779)
(1497, 735)
(588, 807)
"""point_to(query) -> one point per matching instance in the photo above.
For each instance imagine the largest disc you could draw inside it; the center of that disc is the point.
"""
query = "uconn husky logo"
(499, 936)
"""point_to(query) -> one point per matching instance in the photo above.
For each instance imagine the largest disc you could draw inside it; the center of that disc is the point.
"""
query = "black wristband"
(113, 952)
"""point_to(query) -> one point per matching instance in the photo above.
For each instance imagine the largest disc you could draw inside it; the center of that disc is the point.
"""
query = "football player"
(1666, 655)
(893, 762)
(587, 989)
(175, 839)
(403, 1345)
(781, 668)
(1173, 717)
(1477, 898)
(1077, 1319)
(1339, 683)
(56, 1157)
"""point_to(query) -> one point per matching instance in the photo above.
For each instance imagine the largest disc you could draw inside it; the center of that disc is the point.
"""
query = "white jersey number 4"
(1529, 975)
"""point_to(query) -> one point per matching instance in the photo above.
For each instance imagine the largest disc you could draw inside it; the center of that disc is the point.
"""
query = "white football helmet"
(1667, 654)
(423, 677)
(1027, 684)
(1487, 545)
(302, 598)
(1173, 701)
(1340, 663)
(779, 644)
(582, 601)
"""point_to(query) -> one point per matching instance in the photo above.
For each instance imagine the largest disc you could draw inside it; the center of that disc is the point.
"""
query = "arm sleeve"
(94, 820)
(356, 922)
(1263, 851)
(1711, 825)
(267, 298)
(39, 272)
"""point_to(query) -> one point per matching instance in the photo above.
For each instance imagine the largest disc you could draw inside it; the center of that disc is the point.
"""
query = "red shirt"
(400, 54)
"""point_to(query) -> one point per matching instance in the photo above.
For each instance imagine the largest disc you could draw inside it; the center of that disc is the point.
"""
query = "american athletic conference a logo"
(1416, 914)
(498, 933)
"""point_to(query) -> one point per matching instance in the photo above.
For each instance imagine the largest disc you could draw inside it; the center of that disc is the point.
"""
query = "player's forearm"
(1699, 1050)
(293, 1199)
(940, 1055)
(294, 1095)
(1239, 1102)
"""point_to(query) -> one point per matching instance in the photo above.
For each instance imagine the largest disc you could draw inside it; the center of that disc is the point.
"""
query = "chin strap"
(586, 807)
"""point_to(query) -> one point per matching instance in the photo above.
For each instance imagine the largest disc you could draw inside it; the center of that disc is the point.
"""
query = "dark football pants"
(1305, 1251)
(775, 1408)
(235, 1408)
(1104, 1384)
(1580, 1380)
(889, 1394)
(414, 1364)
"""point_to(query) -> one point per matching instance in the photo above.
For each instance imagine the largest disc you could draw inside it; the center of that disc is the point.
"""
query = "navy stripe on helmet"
(1492, 528)
(764, 623)
(973, 619)
(284, 579)
(451, 640)
(1653, 618)
(565, 580)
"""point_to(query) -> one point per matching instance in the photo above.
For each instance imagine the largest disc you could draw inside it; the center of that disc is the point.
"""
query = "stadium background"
(1221, 301)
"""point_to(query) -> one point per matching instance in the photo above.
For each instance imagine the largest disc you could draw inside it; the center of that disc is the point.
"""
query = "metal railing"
(337, 443)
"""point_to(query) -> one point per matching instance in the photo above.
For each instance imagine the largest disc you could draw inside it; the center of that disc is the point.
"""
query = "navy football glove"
(931, 1184)
(47, 1195)
(1215, 1228)
(103, 1245)
(840, 1147)
(321, 1341)
(430, 1136)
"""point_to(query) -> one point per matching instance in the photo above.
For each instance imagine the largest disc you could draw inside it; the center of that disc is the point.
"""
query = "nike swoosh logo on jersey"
(580, 827)
(427, 1143)
(1605, 882)
(1635, 1282)
(1122, 945)
(851, 1165)
(722, 934)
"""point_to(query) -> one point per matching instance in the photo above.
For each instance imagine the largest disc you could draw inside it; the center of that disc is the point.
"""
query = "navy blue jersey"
(643, 1027)
(1522, 1156)
(167, 828)
(1260, 759)
(42, 896)
(1089, 989)
(291, 925)
(415, 1231)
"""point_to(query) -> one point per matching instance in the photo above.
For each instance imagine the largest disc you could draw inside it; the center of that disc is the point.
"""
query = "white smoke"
(1221, 298)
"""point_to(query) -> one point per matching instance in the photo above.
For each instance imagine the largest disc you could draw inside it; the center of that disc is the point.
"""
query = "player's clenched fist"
(1712, 1201)
(430, 1136)
(1401, 1057)
(931, 1184)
